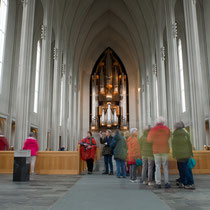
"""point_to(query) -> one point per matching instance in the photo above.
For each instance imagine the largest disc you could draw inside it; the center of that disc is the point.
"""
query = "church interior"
(67, 67)
(72, 66)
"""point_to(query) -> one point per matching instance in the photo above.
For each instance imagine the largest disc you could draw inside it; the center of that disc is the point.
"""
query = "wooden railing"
(69, 162)
(49, 162)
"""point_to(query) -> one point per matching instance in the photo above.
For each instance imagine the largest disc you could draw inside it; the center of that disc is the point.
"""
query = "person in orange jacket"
(159, 136)
(133, 153)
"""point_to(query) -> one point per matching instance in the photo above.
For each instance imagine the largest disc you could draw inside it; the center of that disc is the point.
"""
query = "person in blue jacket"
(120, 153)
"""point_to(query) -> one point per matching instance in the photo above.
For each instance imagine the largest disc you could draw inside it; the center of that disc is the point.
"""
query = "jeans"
(133, 168)
(120, 165)
(161, 158)
(90, 165)
(33, 162)
(147, 167)
(186, 176)
(108, 162)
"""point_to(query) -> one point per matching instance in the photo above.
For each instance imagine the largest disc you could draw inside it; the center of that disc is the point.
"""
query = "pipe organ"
(109, 93)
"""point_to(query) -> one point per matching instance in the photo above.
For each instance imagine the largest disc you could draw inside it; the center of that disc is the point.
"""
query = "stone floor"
(40, 193)
(63, 191)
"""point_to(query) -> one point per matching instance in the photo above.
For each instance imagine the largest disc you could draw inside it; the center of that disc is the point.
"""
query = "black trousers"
(90, 165)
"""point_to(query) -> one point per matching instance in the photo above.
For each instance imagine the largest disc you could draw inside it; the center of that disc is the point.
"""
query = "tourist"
(159, 136)
(3, 142)
(31, 143)
(88, 151)
(182, 152)
(147, 158)
(120, 153)
(107, 152)
(127, 167)
(133, 153)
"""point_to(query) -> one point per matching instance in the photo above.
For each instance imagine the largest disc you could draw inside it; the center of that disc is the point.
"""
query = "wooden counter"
(69, 162)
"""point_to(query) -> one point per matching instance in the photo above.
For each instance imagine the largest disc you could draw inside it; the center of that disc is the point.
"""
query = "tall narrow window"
(3, 23)
(181, 73)
(36, 91)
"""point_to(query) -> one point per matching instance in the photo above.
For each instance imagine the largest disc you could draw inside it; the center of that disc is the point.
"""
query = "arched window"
(36, 90)
(181, 73)
(3, 23)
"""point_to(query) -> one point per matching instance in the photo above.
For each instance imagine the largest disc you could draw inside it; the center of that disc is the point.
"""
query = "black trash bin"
(21, 171)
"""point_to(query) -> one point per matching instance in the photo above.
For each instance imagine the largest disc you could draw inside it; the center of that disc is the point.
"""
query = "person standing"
(133, 153)
(159, 136)
(182, 152)
(107, 152)
(3, 142)
(88, 151)
(147, 158)
(120, 153)
(31, 143)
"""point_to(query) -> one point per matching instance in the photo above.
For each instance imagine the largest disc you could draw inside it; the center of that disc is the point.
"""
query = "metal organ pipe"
(108, 70)
(102, 87)
(115, 81)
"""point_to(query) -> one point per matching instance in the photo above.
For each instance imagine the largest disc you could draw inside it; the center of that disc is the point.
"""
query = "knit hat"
(133, 130)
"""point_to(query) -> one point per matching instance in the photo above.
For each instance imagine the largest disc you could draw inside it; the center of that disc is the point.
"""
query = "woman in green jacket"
(182, 152)
(147, 158)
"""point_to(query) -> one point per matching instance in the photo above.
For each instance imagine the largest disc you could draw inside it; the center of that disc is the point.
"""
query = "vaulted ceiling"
(90, 26)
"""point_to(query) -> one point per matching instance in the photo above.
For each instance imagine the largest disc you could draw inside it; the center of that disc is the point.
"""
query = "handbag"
(138, 162)
(191, 163)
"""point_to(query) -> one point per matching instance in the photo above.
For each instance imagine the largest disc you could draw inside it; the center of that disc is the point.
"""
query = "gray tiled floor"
(57, 191)
(41, 192)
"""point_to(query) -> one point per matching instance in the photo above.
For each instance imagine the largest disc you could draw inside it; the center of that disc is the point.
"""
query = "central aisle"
(102, 192)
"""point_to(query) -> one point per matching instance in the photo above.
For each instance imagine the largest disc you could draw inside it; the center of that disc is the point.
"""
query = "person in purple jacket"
(32, 144)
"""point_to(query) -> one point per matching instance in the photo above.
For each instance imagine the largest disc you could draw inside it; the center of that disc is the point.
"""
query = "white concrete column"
(64, 105)
(160, 52)
(195, 73)
(56, 93)
(74, 115)
(23, 80)
(70, 139)
(174, 79)
(45, 74)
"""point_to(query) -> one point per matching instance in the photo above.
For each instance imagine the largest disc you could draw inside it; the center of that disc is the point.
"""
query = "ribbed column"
(64, 101)
(195, 74)
(161, 80)
(45, 74)
(56, 91)
(24, 71)
(174, 80)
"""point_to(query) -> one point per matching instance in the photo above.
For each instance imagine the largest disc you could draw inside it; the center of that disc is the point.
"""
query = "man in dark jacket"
(182, 152)
(107, 152)
(120, 153)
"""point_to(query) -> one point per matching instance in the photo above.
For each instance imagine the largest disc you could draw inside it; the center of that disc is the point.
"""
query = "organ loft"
(109, 93)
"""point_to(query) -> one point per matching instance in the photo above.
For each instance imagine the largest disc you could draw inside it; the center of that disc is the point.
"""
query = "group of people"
(130, 150)
(151, 149)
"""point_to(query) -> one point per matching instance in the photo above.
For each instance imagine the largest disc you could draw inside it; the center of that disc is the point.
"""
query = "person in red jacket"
(3, 142)
(159, 136)
(31, 143)
(88, 151)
